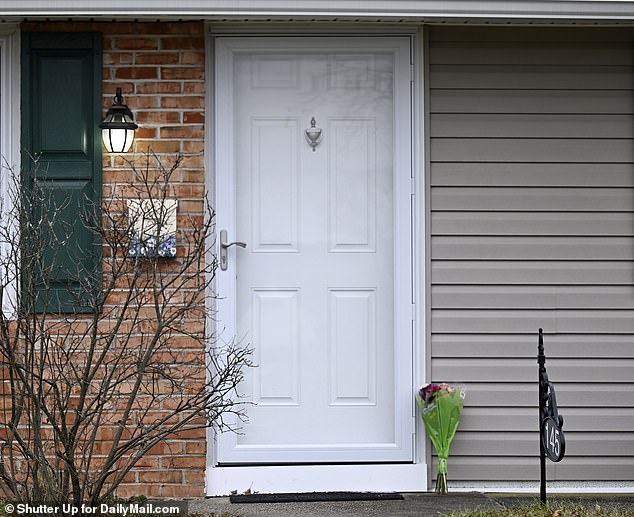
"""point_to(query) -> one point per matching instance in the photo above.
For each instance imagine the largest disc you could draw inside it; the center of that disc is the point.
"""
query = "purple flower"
(428, 391)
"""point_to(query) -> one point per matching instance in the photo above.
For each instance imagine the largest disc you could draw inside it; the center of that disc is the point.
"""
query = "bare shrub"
(87, 392)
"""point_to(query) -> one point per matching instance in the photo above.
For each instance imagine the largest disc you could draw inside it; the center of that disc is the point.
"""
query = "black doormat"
(315, 497)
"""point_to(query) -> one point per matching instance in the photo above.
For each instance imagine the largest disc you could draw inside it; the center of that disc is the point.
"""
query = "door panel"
(315, 288)
(274, 182)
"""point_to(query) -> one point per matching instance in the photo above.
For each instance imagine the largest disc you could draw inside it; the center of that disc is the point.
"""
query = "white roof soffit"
(371, 10)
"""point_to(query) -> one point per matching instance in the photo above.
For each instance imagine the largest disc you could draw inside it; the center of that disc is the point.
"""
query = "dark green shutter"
(61, 110)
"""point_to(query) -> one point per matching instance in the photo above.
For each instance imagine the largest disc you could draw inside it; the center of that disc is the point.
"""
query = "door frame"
(297, 478)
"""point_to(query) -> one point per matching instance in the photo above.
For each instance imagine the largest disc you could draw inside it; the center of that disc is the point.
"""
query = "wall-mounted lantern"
(117, 129)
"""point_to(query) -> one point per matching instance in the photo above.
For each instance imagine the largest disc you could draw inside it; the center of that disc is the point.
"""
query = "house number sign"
(553, 439)
(552, 442)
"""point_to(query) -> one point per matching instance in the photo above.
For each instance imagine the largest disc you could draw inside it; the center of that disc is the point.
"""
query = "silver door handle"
(224, 246)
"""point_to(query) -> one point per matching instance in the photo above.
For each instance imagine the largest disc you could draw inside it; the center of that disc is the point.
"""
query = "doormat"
(315, 497)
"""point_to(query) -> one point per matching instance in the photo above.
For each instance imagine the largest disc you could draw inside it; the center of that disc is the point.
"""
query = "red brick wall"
(161, 70)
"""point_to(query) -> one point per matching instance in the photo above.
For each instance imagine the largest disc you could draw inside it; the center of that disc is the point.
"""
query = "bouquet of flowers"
(441, 408)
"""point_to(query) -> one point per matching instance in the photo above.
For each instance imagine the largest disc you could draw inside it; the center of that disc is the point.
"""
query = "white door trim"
(374, 477)
(398, 477)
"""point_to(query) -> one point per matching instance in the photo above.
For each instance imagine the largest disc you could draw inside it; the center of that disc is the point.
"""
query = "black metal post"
(541, 361)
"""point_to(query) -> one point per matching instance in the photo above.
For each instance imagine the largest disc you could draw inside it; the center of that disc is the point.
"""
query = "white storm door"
(322, 292)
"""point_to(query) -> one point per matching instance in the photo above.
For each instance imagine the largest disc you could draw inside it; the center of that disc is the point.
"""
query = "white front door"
(322, 291)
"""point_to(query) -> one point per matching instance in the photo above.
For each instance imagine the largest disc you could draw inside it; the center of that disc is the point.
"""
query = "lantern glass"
(117, 140)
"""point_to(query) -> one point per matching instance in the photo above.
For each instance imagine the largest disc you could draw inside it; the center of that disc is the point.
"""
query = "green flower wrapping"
(441, 408)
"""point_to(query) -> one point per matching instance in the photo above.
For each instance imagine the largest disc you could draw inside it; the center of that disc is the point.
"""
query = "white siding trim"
(553, 487)
(9, 136)
(372, 9)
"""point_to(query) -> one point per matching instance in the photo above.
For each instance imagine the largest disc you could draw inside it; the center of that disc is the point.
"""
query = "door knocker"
(313, 134)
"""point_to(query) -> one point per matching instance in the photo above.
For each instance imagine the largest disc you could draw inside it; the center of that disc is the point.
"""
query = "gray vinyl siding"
(532, 225)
